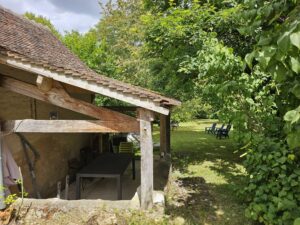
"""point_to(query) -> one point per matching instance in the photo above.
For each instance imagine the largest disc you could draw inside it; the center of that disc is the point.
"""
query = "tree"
(123, 34)
(237, 59)
(273, 160)
(44, 21)
(93, 51)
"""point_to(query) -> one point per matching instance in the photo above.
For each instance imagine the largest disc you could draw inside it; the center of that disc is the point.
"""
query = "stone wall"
(55, 149)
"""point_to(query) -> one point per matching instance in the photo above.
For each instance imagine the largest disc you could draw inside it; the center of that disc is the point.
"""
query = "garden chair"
(174, 125)
(210, 129)
(126, 147)
(224, 132)
(219, 128)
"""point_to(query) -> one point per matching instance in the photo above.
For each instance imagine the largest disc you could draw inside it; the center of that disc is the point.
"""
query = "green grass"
(206, 177)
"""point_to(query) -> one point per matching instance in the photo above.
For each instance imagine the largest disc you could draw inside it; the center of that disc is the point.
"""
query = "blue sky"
(66, 15)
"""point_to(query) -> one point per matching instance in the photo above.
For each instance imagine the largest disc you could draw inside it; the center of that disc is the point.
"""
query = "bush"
(193, 109)
(274, 183)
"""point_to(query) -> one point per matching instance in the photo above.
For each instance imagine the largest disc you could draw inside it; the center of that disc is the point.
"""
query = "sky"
(66, 15)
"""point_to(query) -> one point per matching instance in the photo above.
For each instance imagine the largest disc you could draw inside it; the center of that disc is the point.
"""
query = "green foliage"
(44, 21)
(92, 50)
(10, 199)
(193, 109)
(137, 217)
(123, 33)
(255, 98)
(236, 59)
(297, 221)
(274, 185)
(277, 26)
(273, 158)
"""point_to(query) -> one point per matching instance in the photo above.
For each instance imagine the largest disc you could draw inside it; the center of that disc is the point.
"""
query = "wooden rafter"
(84, 84)
(58, 96)
(44, 83)
(68, 126)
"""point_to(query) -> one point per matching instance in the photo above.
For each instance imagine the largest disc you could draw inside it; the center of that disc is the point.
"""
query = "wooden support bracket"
(44, 83)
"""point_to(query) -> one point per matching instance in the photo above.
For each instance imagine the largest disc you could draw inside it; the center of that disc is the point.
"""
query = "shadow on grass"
(210, 177)
(204, 203)
(194, 147)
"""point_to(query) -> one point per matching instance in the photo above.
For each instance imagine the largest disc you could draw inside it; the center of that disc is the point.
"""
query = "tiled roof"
(33, 43)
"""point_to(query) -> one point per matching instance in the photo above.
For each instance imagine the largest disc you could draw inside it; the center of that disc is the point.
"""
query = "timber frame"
(84, 84)
(102, 120)
(34, 63)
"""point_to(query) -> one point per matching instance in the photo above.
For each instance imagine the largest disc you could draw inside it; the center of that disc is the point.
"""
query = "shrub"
(274, 182)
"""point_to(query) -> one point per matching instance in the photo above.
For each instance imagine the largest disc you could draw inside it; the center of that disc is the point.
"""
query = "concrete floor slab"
(106, 188)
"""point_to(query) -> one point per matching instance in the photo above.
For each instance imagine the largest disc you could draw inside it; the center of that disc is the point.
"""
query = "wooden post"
(105, 143)
(168, 133)
(163, 134)
(2, 195)
(33, 109)
(145, 117)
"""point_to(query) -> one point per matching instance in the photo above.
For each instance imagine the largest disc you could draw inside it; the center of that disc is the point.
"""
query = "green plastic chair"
(126, 147)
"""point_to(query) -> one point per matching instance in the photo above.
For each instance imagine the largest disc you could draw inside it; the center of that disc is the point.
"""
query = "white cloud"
(71, 21)
(66, 15)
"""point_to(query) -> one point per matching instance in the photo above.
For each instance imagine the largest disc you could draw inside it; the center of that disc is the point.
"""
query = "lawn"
(206, 177)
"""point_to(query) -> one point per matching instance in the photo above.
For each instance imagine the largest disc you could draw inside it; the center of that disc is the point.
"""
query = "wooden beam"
(68, 126)
(33, 113)
(163, 134)
(168, 133)
(2, 195)
(122, 108)
(30, 77)
(104, 143)
(84, 84)
(145, 117)
(58, 96)
(44, 83)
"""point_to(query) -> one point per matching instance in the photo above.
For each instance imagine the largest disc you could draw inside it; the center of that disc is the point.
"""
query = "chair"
(218, 129)
(126, 147)
(224, 132)
(174, 125)
(210, 129)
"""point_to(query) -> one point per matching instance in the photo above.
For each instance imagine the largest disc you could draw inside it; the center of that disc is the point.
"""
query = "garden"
(237, 61)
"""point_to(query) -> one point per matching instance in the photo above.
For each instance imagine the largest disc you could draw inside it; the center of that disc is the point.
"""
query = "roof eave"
(28, 66)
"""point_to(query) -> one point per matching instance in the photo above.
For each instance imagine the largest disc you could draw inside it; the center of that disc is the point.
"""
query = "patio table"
(107, 165)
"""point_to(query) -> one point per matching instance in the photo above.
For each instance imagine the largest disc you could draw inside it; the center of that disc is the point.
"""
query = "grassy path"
(206, 177)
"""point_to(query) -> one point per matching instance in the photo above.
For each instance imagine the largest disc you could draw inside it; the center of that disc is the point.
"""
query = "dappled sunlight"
(219, 212)
(204, 170)
(203, 203)
(207, 176)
